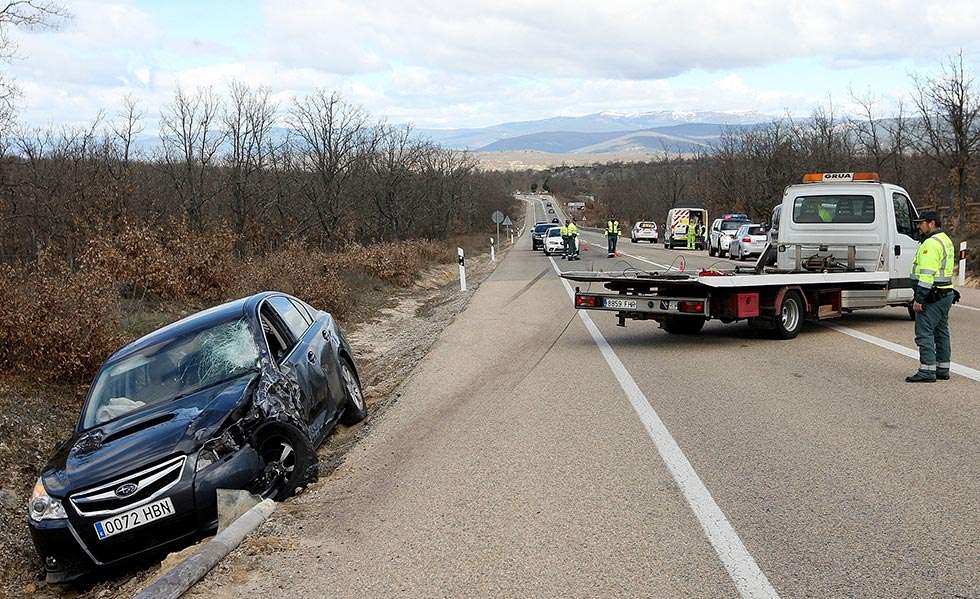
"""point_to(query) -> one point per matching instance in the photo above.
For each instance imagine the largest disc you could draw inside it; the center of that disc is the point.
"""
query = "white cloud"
(632, 39)
(453, 63)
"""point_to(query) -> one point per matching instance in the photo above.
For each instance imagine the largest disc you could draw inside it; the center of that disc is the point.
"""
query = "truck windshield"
(834, 209)
(171, 368)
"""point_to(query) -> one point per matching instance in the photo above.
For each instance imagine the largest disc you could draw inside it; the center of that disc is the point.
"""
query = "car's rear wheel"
(355, 409)
(683, 325)
(286, 461)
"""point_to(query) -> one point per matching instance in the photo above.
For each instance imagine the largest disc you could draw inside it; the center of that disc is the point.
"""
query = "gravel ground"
(388, 346)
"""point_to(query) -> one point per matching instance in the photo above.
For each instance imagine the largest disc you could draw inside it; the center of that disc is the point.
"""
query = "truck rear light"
(691, 307)
(586, 301)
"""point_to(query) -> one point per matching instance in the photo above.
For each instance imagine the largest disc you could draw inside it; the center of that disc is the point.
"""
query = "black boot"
(921, 377)
(942, 374)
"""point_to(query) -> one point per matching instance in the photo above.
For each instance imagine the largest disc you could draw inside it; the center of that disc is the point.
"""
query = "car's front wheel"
(286, 456)
(356, 408)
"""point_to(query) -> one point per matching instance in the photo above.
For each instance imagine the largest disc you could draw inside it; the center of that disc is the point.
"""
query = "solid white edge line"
(974, 308)
(741, 567)
(959, 369)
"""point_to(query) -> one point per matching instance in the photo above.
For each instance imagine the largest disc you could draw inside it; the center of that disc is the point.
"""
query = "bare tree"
(949, 124)
(190, 138)
(248, 119)
(335, 139)
(24, 14)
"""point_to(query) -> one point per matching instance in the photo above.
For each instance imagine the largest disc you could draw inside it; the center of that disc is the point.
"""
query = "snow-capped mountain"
(523, 134)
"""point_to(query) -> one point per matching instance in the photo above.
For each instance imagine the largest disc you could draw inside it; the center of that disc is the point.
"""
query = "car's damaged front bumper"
(71, 547)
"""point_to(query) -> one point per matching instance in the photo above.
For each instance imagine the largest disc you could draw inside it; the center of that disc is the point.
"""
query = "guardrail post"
(493, 255)
(962, 263)
(462, 269)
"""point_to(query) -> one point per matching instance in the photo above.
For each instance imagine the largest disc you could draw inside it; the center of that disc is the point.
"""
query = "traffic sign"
(497, 217)
(507, 222)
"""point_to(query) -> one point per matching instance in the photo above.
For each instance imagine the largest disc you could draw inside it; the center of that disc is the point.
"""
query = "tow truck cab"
(831, 211)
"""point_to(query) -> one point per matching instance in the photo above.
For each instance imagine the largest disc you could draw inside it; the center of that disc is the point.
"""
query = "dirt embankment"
(393, 330)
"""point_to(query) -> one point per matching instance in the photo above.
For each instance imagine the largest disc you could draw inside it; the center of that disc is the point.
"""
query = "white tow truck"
(845, 241)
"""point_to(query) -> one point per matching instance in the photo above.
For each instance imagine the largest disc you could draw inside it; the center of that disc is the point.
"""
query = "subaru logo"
(127, 489)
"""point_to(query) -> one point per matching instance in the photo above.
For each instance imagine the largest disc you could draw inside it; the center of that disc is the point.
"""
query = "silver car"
(751, 239)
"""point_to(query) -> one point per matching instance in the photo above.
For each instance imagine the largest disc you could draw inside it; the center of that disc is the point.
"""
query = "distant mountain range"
(602, 132)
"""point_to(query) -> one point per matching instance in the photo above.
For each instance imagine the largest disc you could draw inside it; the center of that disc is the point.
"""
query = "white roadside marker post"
(962, 263)
(462, 269)
(493, 255)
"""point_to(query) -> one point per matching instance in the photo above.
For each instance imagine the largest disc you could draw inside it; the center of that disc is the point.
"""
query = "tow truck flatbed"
(729, 280)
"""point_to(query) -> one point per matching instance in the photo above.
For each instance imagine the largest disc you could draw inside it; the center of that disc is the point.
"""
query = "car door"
(305, 356)
(903, 248)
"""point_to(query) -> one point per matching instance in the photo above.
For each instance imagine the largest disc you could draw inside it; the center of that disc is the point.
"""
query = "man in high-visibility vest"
(564, 239)
(572, 240)
(612, 236)
(692, 231)
(932, 273)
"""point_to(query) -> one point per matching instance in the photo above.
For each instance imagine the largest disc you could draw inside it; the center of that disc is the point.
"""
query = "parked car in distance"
(723, 231)
(238, 396)
(537, 235)
(644, 231)
(750, 239)
(553, 242)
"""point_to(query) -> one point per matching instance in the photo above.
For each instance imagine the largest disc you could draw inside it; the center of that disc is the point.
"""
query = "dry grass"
(59, 322)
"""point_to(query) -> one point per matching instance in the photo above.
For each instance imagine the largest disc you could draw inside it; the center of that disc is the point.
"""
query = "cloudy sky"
(463, 63)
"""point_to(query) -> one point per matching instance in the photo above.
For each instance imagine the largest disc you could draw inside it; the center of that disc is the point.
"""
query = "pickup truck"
(845, 241)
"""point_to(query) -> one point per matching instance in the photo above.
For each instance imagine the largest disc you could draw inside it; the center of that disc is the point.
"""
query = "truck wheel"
(789, 317)
(683, 325)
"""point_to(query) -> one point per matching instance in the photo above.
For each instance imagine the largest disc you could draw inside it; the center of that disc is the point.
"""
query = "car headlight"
(216, 449)
(44, 507)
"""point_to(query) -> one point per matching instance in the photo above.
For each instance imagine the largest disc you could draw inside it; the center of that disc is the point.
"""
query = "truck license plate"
(134, 518)
(620, 304)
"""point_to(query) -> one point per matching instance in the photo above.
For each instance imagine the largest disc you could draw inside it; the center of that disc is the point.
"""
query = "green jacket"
(612, 227)
(933, 265)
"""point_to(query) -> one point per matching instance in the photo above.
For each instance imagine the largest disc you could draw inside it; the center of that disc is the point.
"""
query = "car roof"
(198, 320)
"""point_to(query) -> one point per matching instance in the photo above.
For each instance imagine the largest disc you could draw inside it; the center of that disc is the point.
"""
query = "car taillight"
(691, 307)
(586, 301)
(747, 239)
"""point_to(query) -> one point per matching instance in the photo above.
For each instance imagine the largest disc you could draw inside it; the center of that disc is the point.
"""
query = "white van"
(675, 229)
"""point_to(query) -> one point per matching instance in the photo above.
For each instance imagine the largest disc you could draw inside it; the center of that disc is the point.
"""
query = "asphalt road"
(540, 453)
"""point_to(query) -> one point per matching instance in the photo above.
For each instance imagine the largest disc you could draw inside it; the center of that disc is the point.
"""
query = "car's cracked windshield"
(170, 369)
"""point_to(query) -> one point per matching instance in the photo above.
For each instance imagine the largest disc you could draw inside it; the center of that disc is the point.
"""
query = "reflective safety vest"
(824, 215)
(612, 227)
(933, 265)
(563, 230)
(572, 230)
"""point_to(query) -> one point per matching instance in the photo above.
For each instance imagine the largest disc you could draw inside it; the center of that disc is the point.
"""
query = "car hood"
(143, 438)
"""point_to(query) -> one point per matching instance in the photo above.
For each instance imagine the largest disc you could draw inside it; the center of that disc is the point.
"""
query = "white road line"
(974, 308)
(959, 369)
(748, 578)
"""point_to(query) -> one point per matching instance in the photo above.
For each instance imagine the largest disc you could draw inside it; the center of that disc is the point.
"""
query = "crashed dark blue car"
(235, 397)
